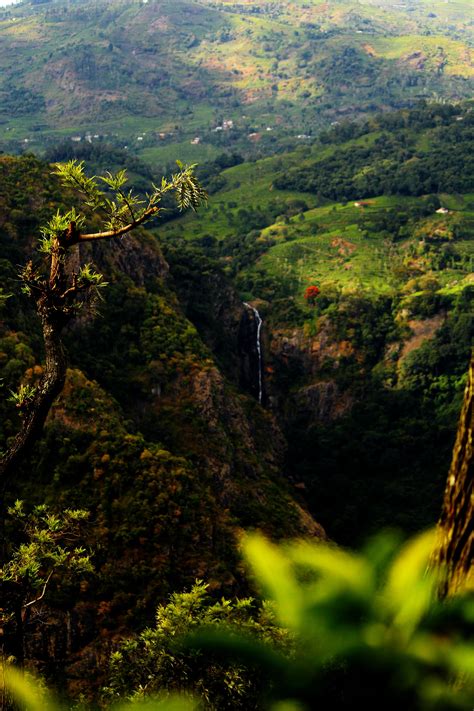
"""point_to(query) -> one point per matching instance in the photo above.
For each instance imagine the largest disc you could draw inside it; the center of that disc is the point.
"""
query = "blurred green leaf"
(273, 571)
(287, 706)
(170, 703)
(336, 569)
(27, 692)
(410, 587)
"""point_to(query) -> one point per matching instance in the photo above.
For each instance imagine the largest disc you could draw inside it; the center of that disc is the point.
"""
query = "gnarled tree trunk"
(456, 525)
(51, 384)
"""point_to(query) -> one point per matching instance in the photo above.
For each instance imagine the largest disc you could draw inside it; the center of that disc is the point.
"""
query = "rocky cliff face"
(135, 256)
(301, 374)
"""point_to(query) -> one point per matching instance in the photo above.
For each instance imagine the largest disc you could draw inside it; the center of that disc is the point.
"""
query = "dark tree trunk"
(19, 646)
(48, 389)
(456, 530)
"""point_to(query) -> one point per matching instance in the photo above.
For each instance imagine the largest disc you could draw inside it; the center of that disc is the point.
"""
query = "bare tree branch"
(43, 592)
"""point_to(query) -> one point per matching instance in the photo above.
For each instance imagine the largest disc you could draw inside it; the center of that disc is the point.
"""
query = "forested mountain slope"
(330, 278)
(149, 435)
(256, 76)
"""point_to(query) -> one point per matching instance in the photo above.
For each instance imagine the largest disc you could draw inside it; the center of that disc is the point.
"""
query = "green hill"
(156, 75)
(353, 211)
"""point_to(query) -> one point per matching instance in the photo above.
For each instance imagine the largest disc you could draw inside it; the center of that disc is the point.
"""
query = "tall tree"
(60, 291)
(456, 530)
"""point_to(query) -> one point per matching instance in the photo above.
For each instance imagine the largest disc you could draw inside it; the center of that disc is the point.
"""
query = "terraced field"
(329, 247)
(277, 242)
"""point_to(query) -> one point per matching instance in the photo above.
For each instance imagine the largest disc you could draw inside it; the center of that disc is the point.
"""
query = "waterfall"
(259, 351)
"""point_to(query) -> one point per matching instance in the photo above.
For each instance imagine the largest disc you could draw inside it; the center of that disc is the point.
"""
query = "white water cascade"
(259, 350)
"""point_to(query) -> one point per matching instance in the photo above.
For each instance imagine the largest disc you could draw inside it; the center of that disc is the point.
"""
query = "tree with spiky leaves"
(60, 292)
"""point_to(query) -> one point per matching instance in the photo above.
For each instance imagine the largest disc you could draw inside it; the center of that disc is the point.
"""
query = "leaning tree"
(60, 291)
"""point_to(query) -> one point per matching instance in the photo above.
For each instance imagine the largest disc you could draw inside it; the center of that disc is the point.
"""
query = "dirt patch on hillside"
(344, 248)
(416, 60)
(421, 331)
(368, 49)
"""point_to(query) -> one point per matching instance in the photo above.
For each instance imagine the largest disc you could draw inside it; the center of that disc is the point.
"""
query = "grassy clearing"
(246, 186)
(184, 151)
(438, 53)
(464, 202)
(327, 247)
(339, 255)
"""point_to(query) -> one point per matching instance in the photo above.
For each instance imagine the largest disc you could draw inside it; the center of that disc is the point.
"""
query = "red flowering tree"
(311, 294)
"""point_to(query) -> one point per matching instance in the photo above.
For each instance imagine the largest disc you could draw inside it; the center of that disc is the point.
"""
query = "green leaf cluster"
(119, 208)
(87, 276)
(156, 661)
(44, 545)
(23, 396)
(368, 628)
(56, 227)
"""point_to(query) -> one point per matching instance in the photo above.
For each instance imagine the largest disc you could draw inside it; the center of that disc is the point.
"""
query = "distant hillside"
(156, 75)
(366, 378)
(379, 183)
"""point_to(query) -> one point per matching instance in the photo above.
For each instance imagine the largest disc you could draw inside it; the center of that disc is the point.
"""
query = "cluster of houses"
(227, 124)
(89, 137)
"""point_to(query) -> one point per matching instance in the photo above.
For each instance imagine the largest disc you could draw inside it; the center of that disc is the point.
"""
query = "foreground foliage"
(154, 661)
(368, 627)
(365, 629)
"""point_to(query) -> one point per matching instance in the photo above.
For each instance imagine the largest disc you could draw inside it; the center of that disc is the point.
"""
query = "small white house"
(442, 211)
